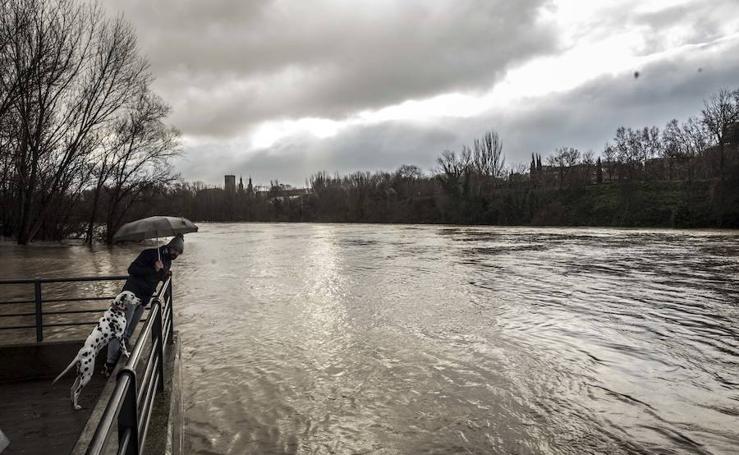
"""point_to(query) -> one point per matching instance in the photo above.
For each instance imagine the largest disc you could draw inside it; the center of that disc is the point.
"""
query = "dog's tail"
(69, 367)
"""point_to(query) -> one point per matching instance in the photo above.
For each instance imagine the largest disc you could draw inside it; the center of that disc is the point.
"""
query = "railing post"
(39, 311)
(128, 418)
(171, 310)
(156, 339)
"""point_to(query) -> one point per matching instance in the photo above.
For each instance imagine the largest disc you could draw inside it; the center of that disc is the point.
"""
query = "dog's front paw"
(77, 407)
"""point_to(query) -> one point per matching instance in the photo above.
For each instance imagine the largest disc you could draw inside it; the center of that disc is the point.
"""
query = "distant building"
(241, 184)
(230, 183)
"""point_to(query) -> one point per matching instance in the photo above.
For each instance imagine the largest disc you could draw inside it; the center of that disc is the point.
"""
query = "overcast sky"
(280, 89)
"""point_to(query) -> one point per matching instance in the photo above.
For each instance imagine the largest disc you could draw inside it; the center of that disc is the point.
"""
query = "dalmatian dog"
(110, 326)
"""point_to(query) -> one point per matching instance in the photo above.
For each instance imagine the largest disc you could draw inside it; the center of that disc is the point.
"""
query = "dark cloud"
(584, 118)
(228, 65)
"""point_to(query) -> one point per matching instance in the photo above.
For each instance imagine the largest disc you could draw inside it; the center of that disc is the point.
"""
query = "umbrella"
(154, 227)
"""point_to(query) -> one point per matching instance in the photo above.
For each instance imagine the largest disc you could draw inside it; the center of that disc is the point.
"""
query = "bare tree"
(49, 56)
(454, 170)
(487, 156)
(69, 80)
(409, 171)
(682, 143)
(719, 112)
(14, 21)
(611, 155)
(73, 72)
(451, 165)
(142, 147)
(634, 148)
(563, 159)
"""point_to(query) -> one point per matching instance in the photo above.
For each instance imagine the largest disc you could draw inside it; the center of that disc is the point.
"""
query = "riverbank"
(628, 204)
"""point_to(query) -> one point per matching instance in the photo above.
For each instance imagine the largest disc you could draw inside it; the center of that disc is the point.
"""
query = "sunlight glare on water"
(427, 339)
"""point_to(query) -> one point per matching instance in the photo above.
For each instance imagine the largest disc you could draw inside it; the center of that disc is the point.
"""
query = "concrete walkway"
(39, 419)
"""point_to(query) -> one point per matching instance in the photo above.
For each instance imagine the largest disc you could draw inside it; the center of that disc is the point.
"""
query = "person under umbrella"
(144, 274)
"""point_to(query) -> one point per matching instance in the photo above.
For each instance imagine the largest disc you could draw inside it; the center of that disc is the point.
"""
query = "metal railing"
(39, 302)
(132, 400)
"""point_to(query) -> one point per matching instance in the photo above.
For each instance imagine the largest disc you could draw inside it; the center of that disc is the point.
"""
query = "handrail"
(129, 397)
(39, 301)
(64, 280)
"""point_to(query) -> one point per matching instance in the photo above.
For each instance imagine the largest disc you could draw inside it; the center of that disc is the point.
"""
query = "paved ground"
(39, 419)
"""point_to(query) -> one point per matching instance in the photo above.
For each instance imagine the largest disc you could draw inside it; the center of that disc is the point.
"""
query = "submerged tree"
(67, 75)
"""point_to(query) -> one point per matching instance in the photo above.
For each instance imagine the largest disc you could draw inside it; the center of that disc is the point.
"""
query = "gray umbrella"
(154, 227)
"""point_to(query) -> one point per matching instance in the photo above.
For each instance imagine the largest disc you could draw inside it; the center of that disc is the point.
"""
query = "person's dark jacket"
(142, 276)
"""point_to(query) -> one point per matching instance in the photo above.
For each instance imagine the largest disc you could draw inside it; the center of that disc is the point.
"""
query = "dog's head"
(124, 299)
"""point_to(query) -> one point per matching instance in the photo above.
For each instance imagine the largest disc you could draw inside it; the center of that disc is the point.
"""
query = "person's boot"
(108, 369)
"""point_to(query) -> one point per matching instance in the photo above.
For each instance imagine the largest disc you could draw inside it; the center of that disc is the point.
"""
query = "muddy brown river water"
(319, 338)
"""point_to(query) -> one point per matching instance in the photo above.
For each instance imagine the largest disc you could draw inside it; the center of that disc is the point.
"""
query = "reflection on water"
(428, 339)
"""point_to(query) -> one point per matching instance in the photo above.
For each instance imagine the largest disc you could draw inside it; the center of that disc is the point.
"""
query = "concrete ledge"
(176, 424)
(157, 437)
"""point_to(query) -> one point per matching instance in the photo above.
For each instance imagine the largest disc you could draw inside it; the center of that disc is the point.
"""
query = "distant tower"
(230, 183)
(249, 187)
(241, 184)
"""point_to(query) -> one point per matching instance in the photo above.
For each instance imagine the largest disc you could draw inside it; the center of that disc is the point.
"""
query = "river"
(323, 338)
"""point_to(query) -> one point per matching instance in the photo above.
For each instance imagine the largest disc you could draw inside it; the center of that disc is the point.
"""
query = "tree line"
(83, 138)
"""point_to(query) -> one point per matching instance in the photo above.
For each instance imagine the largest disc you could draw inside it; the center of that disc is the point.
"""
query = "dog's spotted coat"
(110, 326)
